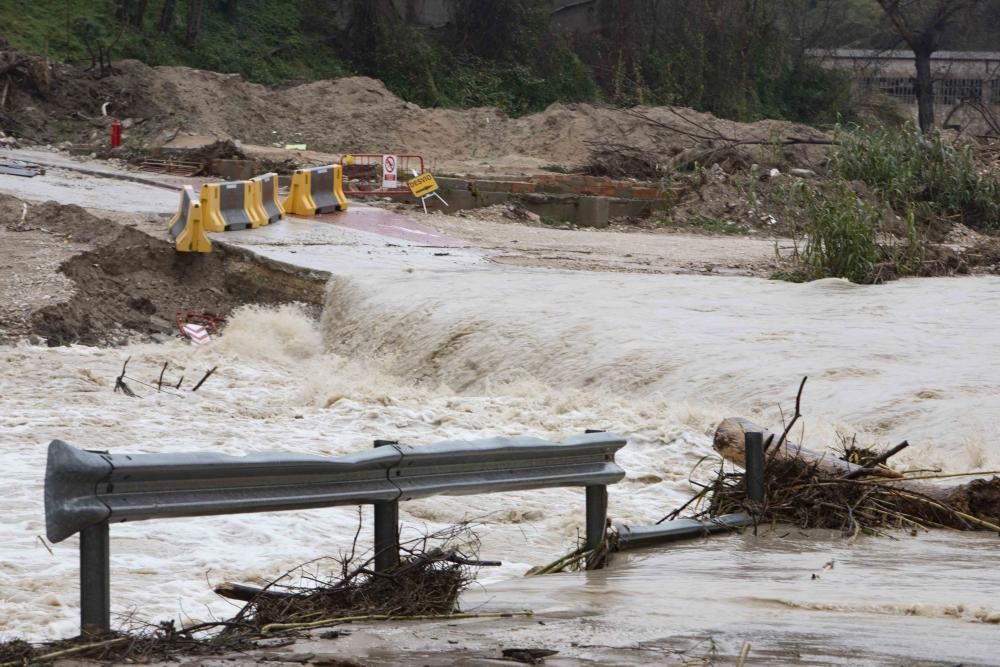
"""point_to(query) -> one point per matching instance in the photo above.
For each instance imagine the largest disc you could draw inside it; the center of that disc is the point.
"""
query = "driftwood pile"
(813, 490)
(613, 160)
(426, 584)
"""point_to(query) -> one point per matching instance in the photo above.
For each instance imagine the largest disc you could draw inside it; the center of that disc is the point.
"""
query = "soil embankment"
(77, 278)
(180, 106)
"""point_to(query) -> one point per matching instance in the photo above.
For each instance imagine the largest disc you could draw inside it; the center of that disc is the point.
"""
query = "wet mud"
(125, 285)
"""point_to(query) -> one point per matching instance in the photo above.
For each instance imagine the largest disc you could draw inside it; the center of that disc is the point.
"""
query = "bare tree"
(921, 24)
(167, 12)
(98, 42)
(195, 17)
(132, 12)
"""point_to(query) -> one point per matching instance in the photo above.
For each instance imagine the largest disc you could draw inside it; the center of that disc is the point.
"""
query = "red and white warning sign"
(197, 333)
(389, 181)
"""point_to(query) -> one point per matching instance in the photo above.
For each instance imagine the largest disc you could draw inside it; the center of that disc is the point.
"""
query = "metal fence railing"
(85, 491)
(364, 173)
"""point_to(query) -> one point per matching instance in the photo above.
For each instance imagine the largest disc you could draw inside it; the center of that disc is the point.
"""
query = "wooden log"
(975, 504)
(245, 593)
(730, 434)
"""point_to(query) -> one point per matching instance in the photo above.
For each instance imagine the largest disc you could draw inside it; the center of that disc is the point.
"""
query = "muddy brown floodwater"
(425, 337)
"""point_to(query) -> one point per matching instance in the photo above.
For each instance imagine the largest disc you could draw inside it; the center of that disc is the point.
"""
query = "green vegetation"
(841, 238)
(882, 175)
(849, 236)
(263, 41)
(928, 173)
(737, 60)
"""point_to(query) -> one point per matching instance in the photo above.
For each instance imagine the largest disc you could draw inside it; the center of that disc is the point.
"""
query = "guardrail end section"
(71, 479)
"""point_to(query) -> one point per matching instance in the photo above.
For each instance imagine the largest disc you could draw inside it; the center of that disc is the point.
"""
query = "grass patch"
(841, 240)
(925, 174)
(715, 225)
(847, 236)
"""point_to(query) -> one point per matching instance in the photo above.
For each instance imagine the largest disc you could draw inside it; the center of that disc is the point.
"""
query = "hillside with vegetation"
(734, 59)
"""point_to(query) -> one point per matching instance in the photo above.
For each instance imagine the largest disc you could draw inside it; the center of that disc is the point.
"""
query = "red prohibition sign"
(390, 164)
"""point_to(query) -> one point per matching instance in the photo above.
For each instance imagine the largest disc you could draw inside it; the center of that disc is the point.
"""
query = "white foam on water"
(471, 355)
(276, 389)
(912, 360)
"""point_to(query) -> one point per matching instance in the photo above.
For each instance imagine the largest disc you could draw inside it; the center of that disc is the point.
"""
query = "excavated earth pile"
(161, 105)
(83, 279)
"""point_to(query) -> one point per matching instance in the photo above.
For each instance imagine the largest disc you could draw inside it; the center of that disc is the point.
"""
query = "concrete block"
(492, 186)
(452, 183)
(593, 212)
(557, 207)
(635, 208)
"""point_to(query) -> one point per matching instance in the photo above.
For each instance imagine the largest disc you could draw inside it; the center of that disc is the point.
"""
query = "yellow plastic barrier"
(211, 214)
(193, 238)
(187, 226)
(254, 204)
(225, 206)
(299, 200)
(338, 186)
(317, 190)
(268, 184)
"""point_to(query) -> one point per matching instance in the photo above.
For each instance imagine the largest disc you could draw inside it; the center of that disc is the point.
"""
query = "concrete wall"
(958, 76)
(585, 201)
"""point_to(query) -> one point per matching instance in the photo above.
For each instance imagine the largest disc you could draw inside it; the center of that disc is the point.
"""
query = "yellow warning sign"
(422, 185)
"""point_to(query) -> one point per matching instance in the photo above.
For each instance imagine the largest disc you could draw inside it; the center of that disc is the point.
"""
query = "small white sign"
(389, 163)
(197, 333)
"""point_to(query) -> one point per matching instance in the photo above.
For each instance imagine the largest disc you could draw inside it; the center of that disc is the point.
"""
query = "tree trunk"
(139, 13)
(167, 15)
(923, 88)
(729, 443)
(979, 498)
(196, 13)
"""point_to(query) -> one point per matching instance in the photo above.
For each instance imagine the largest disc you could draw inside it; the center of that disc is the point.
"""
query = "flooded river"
(421, 347)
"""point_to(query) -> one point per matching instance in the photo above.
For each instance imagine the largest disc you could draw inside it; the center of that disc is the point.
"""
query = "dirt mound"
(358, 114)
(126, 284)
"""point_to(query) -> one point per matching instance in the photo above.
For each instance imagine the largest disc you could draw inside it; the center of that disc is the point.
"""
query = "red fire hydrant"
(116, 134)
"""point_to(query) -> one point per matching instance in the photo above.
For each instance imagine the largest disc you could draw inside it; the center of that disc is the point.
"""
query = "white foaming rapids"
(277, 390)
(660, 359)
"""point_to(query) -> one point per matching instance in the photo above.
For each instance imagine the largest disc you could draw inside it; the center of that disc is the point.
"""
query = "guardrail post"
(597, 515)
(95, 580)
(753, 446)
(386, 528)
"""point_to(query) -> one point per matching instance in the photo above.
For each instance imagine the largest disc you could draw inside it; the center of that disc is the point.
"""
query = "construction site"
(430, 385)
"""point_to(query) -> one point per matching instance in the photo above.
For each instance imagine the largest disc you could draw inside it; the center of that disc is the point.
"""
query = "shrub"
(841, 238)
(910, 169)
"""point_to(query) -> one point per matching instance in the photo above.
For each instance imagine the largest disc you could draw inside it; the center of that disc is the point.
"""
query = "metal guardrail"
(85, 491)
(637, 537)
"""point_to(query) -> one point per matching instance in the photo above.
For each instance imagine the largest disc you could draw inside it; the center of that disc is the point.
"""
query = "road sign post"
(424, 186)
(389, 180)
